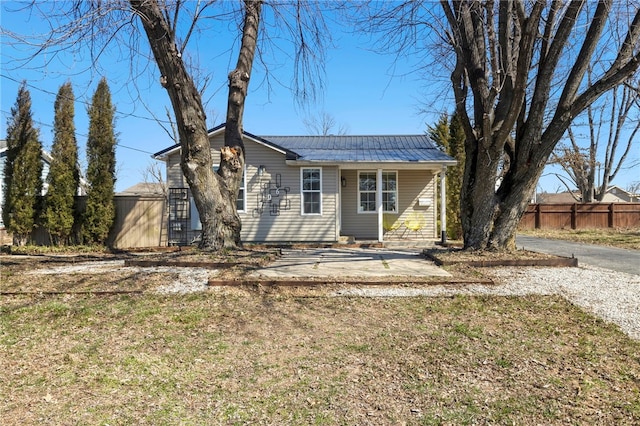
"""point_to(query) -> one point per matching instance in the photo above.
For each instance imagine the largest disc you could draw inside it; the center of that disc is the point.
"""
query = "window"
(240, 202)
(311, 191)
(389, 192)
(367, 191)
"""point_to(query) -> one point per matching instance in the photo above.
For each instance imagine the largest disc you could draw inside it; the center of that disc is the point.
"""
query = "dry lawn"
(257, 355)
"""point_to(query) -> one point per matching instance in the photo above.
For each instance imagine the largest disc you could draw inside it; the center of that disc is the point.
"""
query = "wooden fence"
(141, 221)
(581, 216)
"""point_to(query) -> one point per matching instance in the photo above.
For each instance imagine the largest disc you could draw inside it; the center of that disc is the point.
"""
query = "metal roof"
(349, 148)
(379, 148)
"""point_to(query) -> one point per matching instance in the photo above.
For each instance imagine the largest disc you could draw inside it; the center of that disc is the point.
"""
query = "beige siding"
(175, 178)
(287, 224)
(412, 185)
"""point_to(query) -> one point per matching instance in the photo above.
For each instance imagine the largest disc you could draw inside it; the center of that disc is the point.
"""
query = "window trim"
(375, 192)
(395, 172)
(302, 191)
(242, 187)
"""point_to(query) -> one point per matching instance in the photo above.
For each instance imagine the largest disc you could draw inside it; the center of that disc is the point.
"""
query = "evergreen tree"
(22, 170)
(439, 133)
(449, 136)
(99, 213)
(455, 176)
(64, 176)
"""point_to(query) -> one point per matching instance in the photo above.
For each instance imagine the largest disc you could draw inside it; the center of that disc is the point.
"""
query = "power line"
(40, 123)
(49, 92)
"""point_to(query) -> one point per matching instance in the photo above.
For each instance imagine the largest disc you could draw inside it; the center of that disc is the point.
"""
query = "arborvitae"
(99, 213)
(439, 133)
(64, 176)
(449, 135)
(455, 176)
(22, 171)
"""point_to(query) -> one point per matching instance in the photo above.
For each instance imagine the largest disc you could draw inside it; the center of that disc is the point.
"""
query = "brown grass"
(294, 356)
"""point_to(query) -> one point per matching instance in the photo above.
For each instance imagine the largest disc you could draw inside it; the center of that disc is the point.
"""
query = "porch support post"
(379, 205)
(443, 205)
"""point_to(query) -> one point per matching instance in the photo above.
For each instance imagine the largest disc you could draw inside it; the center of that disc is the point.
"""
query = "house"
(321, 188)
(46, 160)
(614, 194)
(144, 188)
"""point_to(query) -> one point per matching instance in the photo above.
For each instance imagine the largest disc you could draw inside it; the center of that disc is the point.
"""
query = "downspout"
(443, 205)
(379, 205)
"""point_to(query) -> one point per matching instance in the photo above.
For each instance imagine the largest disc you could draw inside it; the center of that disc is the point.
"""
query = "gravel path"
(612, 296)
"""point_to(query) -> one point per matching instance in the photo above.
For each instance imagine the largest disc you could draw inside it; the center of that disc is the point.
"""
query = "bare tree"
(168, 26)
(153, 177)
(592, 168)
(518, 72)
(634, 187)
(324, 124)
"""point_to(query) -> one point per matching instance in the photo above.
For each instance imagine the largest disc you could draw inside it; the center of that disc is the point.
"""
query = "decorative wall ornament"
(274, 196)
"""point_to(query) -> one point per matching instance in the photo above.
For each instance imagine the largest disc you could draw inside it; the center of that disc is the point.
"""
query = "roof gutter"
(358, 165)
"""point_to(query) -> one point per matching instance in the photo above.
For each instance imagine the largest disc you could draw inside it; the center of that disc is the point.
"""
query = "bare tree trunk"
(214, 194)
(495, 46)
(232, 156)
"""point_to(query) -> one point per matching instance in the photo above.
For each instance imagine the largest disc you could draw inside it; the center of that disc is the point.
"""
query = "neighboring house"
(46, 159)
(321, 188)
(145, 188)
(614, 194)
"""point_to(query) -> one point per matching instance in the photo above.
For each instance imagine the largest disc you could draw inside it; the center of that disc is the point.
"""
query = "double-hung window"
(311, 184)
(240, 201)
(368, 191)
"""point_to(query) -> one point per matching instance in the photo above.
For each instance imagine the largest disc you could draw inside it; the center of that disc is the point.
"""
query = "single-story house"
(322, 188)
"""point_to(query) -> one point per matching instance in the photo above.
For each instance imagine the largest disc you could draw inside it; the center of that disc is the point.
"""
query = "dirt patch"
(456, 256)
(477, 258)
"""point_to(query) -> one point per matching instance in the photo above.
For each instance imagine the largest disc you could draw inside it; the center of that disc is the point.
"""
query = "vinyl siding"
(412, 185)
(267, 225)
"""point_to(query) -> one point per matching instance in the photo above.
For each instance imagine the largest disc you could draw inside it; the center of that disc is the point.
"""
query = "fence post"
(574, 216)
(611, 215)
(537, 220)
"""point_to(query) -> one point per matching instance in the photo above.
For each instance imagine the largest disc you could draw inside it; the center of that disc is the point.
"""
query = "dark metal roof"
(389, 148)
(346, 149)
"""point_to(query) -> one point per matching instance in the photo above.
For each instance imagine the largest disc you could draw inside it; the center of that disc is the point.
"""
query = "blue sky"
(366, 92)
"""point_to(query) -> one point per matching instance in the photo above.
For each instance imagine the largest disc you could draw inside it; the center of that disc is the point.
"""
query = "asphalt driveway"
(615, 259)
